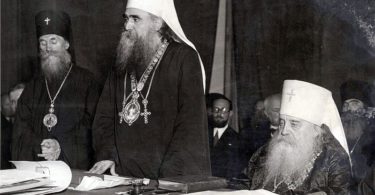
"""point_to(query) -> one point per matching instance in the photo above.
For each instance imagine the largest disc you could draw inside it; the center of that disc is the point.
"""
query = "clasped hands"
(50, 149)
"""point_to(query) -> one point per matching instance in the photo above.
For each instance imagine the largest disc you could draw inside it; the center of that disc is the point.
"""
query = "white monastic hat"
(166, 10)
(314, 104)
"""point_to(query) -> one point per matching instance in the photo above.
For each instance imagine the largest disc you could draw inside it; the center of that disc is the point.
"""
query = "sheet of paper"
(238, 192)
(57, 171)
(11, 176)
(91, 182)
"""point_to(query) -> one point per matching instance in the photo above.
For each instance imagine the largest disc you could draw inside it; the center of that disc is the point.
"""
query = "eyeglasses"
(217, 110)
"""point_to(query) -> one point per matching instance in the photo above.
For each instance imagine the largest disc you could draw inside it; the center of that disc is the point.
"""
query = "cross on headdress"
(47, 20)
(291, 94)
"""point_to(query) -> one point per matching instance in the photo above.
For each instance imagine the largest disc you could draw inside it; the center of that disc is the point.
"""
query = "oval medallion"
(132, 111)
(50, 120)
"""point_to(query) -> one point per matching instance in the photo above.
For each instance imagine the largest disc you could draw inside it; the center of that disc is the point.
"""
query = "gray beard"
(55, 64)
(134, 53)
(354, 126)
(288, 159)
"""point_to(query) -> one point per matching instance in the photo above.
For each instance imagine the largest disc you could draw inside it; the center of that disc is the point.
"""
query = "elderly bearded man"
(56, 109)
(151, 118)
(359, 130)
(309, 151)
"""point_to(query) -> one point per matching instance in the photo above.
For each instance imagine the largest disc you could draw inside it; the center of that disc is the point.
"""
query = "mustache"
(289, 139)
(46, 54)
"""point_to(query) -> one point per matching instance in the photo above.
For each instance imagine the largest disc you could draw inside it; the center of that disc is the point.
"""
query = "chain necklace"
(132, 110)
(50, 119)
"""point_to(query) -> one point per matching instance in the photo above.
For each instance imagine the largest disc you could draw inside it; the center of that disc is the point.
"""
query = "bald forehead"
(273, 101)
(276, 102)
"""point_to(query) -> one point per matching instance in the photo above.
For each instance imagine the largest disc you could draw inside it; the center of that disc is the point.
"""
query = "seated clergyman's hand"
(101, 166)
(50, 149)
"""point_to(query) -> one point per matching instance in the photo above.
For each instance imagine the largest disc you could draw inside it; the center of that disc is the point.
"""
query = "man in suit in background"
(224, 141)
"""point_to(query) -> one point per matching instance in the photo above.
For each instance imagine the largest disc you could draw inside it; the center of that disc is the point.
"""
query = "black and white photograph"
(208, 97)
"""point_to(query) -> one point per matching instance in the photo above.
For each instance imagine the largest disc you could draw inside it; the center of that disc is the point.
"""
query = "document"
(35, 177)
(92, 182)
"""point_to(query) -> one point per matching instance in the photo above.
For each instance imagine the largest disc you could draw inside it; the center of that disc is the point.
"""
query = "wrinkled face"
(221, 112)
(272, 111)
(52, 43)
(137, 22)
(354, 106)
(139, 41)
(54, 56)
(293, 130)
(292, 148)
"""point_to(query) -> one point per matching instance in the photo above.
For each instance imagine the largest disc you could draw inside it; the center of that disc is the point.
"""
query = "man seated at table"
(309, 152)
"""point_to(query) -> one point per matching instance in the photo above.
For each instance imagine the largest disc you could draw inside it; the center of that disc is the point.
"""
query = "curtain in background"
(223, 77)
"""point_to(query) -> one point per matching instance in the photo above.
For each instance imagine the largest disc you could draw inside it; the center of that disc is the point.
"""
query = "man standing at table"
(151, 117)
(56, 109)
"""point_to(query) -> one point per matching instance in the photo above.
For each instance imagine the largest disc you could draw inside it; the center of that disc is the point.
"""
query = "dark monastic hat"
(53, 22)
(354, 89)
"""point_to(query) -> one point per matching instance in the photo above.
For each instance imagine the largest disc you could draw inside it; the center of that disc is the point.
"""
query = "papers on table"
(92, 182)
(41, 177)
(239, 192)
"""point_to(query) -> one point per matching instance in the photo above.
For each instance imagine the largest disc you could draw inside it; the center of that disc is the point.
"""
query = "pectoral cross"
(47, 20)
(145, 112)
(291, 94)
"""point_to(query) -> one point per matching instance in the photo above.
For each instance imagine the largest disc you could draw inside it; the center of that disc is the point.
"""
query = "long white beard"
(287, 158)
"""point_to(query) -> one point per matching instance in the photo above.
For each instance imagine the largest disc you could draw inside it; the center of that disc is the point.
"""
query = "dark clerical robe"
(330, 172)
(174, 142)
(74, 107)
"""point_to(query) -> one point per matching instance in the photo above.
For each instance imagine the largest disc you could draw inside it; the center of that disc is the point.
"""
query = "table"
(78, 174)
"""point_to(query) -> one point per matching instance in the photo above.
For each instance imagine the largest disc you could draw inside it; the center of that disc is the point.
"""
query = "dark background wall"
(96, 28)
(323, 42)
